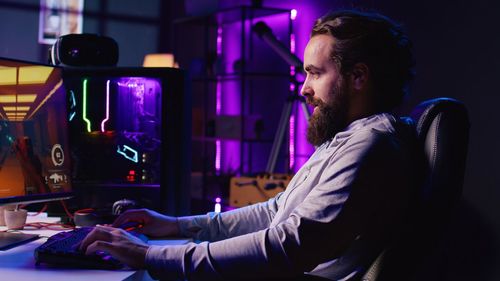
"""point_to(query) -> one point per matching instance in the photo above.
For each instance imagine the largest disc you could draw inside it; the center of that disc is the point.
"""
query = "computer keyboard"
(61, 250)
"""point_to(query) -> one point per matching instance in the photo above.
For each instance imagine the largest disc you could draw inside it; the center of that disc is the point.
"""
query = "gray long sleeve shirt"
(337, 212)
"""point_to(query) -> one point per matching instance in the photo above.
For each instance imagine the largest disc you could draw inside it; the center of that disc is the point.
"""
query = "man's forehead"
(319, 48)
(320, 43)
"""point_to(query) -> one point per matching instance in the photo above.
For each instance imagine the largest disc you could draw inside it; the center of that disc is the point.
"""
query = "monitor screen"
(34, 152)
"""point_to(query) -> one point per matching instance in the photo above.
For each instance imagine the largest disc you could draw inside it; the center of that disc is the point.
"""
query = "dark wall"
(456, 47)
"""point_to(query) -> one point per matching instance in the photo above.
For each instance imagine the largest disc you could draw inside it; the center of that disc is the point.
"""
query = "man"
(341, 208)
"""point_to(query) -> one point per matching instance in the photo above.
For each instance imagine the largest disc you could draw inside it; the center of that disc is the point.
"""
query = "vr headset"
(84, 50)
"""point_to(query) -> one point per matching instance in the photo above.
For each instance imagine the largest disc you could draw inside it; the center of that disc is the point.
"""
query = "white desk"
(18, 263)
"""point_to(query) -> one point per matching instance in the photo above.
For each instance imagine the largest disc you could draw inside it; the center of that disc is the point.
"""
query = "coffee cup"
(15, 219)
(2, 216)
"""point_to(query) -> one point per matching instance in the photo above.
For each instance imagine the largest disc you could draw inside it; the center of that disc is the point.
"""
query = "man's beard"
(329, 118)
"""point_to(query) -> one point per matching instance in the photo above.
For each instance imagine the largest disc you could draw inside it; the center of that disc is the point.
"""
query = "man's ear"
(359, 77)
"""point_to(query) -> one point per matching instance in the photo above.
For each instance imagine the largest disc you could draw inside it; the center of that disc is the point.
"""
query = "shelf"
(247, 81)
(116, 185)
(240, 75)
(231, 15)
(212, 139)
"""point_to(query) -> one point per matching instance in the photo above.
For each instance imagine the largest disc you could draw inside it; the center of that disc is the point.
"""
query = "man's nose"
(306, 90)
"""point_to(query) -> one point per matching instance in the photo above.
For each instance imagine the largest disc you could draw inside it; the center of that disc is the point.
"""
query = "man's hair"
(378, 42)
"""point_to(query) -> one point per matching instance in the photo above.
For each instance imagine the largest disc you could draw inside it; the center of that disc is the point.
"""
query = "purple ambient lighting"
(218, 103)
(291, 133)
(137, 104)
(292, 142)
(231, 92)
(219, 40)
(217, 155)
(292, 50)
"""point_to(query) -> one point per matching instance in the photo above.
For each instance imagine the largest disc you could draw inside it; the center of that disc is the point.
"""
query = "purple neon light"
(292, 50)
(219, 40)
(218, 103)
(292, 142)
(103, 123)
(291, 127)
(217, 155)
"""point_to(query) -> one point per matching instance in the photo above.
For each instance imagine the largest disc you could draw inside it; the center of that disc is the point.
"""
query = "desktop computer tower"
(130, 137)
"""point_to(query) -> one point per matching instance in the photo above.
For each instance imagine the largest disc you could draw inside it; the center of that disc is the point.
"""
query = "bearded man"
(341, 208)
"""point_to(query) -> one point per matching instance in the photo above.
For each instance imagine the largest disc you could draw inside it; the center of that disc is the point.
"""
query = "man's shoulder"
(387, 133)
(399, 128)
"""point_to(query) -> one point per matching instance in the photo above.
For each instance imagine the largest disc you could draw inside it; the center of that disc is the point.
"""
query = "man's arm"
(218, 226)
(349, 199)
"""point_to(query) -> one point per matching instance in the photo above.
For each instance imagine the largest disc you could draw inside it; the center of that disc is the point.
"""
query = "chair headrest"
(425, 113)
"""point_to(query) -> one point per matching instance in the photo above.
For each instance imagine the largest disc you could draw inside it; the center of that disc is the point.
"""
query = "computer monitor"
(130, 137)
(34, 154)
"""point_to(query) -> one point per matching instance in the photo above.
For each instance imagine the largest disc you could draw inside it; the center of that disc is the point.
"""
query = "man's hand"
(153, 223)
(120, 244)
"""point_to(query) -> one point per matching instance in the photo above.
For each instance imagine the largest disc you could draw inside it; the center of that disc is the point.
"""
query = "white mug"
(15, 219)
(2, 216)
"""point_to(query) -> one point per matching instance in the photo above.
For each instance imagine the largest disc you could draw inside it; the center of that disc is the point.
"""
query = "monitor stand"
(10, 240)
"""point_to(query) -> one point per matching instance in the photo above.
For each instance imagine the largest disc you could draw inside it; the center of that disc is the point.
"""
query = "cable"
(84, 211)
(50, 226)
(63, 203)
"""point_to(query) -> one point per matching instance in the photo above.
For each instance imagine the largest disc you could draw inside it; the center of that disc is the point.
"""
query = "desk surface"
(18, 263)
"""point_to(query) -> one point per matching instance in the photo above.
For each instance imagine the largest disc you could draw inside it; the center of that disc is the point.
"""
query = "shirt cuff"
(163, 262)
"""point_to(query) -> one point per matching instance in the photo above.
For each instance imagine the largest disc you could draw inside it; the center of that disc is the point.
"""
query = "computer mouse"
(131, 226)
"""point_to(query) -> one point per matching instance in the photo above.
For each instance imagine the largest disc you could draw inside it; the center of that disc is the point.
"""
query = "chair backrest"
(442, 126)
(443, 129)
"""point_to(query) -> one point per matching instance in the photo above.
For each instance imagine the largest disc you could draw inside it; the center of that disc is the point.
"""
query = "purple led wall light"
(218, 103)
(291, 133)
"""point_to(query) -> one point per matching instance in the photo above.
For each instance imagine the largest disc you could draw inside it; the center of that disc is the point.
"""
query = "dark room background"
(456, 46)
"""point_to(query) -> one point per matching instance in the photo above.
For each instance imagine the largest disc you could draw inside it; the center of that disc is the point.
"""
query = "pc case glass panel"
(116, 128)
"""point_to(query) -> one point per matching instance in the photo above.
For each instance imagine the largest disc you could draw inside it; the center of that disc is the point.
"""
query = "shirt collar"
(381, 121)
